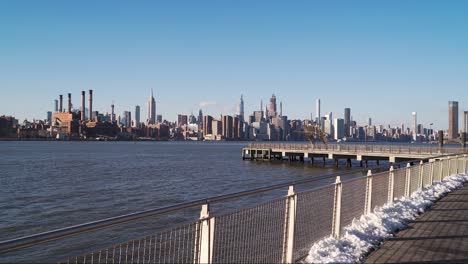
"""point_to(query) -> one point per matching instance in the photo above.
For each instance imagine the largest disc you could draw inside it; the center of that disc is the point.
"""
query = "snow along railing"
(278, 231)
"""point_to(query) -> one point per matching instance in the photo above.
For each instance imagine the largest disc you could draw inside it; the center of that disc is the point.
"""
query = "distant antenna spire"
(151, 92)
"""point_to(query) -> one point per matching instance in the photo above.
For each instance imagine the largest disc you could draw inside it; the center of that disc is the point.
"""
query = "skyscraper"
(137, 116)
(128, 118)
(317, 110)
(465, 122)
(453, 120)
(240, 109)
(338, 128)
(414, 125)
(347, 121)
(272, 106)
(151, 109)
(56, 106)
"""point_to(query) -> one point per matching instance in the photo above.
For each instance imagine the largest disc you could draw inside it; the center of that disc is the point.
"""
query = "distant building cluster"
(264, 124)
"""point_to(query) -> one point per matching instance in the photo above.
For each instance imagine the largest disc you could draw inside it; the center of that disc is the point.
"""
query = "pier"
(348, 152)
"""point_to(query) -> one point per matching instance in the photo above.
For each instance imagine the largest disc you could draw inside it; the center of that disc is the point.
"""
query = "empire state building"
(151, 109)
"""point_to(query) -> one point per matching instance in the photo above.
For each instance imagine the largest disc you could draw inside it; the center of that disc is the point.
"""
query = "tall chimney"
(83, 106)
(60, 103)
(69, 103)
(90, 117)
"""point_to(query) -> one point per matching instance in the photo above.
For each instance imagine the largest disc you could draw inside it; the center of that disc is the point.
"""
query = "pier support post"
(205, 236)
(348, 163)
(336, 228)
(291, 220)
(391, 185)
(366, 165)
(360, 164)
(378, 162)
(336, 162)
(324, 161)
(368, 200)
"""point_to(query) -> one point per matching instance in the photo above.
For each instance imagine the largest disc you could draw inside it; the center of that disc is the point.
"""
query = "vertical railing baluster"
(368, 199)
(391, 185)
(407, 182)
(290, 224)
(337, 208)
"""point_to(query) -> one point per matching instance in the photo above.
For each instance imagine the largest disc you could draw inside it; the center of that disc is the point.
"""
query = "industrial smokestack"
(90, 117)
(83, 106)
(69, 103)
(60, 103)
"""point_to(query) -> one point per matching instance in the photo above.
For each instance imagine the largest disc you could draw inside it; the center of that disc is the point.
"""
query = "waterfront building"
(339, 128)
(151, 109)
(347, 121)
(207, 125)
(227, 122)
(465, 122)
(137, 116)
(181, 120)
(128, 118)
(453, 120)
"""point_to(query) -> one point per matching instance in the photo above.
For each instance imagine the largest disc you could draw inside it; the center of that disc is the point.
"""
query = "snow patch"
(370, 230)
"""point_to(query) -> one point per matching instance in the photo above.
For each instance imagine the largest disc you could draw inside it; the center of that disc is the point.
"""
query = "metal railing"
(281, 230)
(360, 148)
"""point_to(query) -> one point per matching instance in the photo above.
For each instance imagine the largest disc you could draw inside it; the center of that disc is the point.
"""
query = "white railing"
(281, 230)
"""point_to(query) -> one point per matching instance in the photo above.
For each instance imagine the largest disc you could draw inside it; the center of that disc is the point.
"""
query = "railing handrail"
(35, 239)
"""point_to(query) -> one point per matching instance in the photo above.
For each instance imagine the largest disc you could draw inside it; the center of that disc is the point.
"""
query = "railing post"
(420, 180)
(291, 218)
(205, 236)
(368, 200)
(391, 182)
(431, 173)
(466, 164)
(337, 208)
(407, 182)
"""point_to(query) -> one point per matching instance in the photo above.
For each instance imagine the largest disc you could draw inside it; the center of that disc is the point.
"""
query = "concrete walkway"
(439, 235)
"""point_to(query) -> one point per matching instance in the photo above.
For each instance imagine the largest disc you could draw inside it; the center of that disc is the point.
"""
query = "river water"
(50, 185)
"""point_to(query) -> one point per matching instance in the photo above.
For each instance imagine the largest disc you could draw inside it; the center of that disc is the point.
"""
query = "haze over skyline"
(383, 60)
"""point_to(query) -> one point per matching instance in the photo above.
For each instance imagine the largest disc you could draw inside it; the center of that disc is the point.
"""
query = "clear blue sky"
(383, 59)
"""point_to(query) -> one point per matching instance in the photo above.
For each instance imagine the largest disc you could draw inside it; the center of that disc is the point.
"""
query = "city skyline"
(382, 60)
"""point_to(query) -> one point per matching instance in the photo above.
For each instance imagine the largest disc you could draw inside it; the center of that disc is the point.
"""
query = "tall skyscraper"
(272, 106)
(151, 109)
(414, 125)
(112, 113)
(281, 108)
(137, 116)
(370, 121)
(453, 120)
(338, 128)
(465, 122)
(240, 108)
(128, 118)
(317, 110)
(56, 106)
(347, 121)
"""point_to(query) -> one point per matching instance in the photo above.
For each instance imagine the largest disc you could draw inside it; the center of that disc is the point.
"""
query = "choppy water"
(49, 185)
